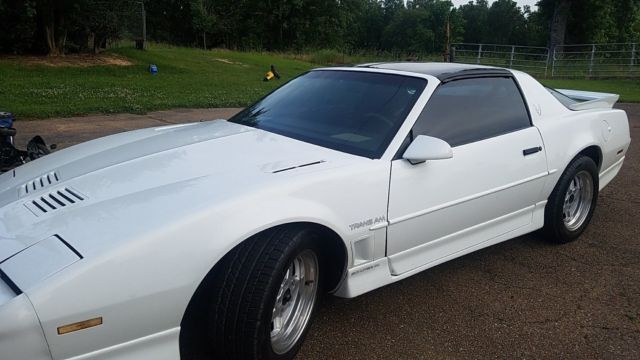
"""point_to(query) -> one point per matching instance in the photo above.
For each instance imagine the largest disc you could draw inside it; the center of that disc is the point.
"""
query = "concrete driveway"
(524, 298)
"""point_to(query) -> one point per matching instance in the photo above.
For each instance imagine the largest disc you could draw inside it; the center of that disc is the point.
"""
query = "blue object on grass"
(153, 69)
(6, 119)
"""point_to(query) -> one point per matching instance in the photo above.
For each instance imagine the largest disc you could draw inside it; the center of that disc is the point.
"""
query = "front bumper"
(21, 336)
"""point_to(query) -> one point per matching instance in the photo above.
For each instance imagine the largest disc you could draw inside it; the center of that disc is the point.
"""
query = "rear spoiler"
(590, 100)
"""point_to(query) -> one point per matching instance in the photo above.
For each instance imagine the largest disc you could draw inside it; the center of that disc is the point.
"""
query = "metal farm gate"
(566, 61)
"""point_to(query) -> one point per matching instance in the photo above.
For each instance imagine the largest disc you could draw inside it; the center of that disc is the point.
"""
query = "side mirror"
(425, 148)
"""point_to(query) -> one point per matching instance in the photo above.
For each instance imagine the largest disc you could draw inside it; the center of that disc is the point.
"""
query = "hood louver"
(39, 183)
(54, 201)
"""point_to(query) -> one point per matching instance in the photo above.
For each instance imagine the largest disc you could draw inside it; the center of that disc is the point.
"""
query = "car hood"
(85, 184)
(113, 150)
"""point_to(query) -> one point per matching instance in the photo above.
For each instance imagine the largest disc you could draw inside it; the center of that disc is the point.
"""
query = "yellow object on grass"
(272, 74)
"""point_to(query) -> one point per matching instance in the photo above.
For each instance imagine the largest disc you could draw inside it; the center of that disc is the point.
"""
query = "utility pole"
(447, 41)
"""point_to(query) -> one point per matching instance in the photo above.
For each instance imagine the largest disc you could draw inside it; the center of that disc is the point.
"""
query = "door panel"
(484, 181)
(456, 242)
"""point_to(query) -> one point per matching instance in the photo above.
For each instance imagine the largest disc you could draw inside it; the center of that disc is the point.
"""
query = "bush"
(17, 26)
(326, 57)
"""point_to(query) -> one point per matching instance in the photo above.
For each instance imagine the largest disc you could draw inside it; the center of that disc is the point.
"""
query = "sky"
(532, 3)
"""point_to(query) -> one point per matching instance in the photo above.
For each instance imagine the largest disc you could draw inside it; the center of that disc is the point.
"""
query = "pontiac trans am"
(216, 239)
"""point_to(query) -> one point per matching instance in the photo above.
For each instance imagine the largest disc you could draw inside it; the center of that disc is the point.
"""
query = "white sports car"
(216, 239)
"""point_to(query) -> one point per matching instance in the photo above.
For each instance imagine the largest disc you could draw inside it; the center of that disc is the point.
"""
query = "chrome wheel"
(577, 201)
(294, 302)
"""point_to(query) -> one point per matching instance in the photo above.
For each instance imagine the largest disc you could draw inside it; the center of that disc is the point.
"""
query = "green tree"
(204, 19)
(475, 16)
(506, 23)
(97, 21)
(17, 25)
(402, 26)
(537, 28)
(52, 17)
(170, 21)
(627, 20)
(589, 21)
(363, 30)
(409, 32)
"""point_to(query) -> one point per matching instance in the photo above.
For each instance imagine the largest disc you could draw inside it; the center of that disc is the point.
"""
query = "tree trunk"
(559, 23)
(51, 40)
(96, 43)
(51, 14)
(281, 27)
(91, 42)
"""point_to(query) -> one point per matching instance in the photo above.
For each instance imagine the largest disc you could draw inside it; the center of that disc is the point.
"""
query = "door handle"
(532, 150)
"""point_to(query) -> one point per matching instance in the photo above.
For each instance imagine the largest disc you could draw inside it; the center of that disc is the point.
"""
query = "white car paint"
(438, 196)
(161, 206)
(590, 100)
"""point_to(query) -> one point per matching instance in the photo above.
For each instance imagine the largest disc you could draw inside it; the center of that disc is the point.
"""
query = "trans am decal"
(369, 222)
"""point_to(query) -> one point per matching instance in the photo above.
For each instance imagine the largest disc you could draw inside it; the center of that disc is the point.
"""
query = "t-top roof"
(443, 71)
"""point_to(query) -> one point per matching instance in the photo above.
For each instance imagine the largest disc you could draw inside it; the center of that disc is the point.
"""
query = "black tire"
(555, 227)
(244, 294)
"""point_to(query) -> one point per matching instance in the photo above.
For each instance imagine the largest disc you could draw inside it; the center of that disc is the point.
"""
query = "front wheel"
(295, 302)
(266, 296)
(572, 202)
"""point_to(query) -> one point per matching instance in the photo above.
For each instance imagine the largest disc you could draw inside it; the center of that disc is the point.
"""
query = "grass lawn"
(186, 78)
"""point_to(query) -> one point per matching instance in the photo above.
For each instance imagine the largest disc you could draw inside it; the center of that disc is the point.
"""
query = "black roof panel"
(443, 71)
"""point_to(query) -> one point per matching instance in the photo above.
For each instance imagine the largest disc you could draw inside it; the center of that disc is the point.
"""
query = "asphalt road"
(524, 298)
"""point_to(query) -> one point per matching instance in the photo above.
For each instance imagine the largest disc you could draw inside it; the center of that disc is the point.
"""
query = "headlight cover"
(37, 262)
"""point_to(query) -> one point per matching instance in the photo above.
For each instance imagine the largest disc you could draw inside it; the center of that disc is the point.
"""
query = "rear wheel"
(572, 202)
(265, 296)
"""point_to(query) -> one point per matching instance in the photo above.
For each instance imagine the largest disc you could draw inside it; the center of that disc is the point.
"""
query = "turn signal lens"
(79, 326)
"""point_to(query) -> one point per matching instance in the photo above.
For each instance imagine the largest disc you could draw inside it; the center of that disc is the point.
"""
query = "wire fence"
(596, 61)
(621, 60)
(533, 60)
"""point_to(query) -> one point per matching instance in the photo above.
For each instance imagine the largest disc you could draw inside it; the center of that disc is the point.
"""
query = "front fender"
(145, 254)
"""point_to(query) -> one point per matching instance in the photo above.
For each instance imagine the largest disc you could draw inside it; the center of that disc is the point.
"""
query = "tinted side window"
(464, 111)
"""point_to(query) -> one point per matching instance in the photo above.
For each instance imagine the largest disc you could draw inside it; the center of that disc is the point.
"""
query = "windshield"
(350, 111)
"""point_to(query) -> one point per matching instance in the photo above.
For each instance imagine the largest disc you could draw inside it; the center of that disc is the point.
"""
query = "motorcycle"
(10, 156)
